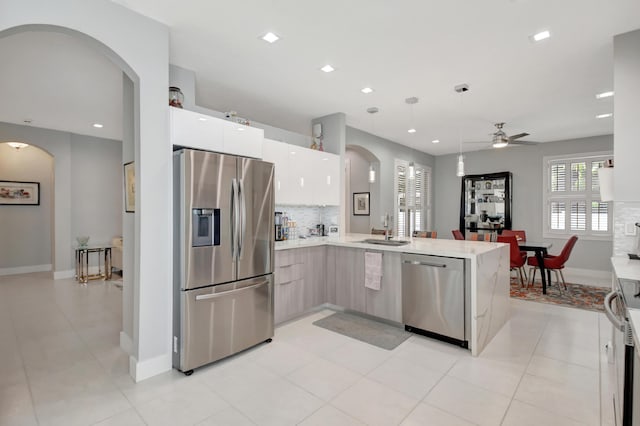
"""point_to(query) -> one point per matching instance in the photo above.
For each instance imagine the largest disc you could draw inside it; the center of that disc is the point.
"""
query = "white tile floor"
(60, 364)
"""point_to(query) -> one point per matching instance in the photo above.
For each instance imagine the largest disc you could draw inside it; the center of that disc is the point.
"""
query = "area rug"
(576, 295)
(375, 333)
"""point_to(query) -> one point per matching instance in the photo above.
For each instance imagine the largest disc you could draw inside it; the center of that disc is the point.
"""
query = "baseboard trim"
(591, 277)
(149, 368)
(126, 344)
(25, 269)
(61, 275)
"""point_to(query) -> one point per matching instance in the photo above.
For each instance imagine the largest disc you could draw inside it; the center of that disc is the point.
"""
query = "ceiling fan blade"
(523, 143)
(518, 136)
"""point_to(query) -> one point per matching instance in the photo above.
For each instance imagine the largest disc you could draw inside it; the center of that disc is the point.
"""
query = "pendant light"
(372, 171)
(460, 88)
(411, 102)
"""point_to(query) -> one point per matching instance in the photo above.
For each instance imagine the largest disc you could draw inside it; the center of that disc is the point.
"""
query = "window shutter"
(401, 191)
(557, 215)
(578, 215)
(599, 216)
(558, 177)
(578, 176)
(595, 182)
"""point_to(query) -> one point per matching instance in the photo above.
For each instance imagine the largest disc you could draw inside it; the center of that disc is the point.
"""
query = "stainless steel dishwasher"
(435, 299)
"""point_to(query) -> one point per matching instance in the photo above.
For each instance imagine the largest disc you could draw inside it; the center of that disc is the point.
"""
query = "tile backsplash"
(624, 212)
(307, 217)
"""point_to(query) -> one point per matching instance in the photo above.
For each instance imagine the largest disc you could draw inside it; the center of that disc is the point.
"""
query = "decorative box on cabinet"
(200, 131)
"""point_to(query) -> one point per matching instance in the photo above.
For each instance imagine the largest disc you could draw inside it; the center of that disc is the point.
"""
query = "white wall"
(92, 170)
(140, 46)
(626, 52)
(526, 164)
(25, 245)
(359, 182)
(96, 188)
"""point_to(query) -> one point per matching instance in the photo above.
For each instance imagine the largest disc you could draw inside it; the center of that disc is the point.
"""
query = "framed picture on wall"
(13, 193)
(361, 204)
(129, 187)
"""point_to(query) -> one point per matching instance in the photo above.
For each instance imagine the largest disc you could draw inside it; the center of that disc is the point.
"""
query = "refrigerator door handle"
(234, 218)
(243, 217)
(613, 318)
(227, 293)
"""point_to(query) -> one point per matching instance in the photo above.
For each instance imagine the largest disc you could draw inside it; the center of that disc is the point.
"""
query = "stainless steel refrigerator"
(223, 256)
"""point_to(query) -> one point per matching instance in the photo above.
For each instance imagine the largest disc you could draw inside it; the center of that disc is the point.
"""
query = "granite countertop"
(438, 247)
(629, 269)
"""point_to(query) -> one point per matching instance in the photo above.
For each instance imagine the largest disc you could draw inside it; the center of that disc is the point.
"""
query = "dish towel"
(372, 270)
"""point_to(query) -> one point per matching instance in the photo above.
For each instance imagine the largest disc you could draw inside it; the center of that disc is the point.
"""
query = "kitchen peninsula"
(313, 271)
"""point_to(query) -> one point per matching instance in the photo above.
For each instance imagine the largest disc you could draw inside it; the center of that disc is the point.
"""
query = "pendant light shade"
(460, 168)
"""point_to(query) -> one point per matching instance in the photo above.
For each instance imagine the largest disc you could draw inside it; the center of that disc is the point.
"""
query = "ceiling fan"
(501, 139)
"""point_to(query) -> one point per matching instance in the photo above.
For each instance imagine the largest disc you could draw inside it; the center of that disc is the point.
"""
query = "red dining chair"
(517, 258)
(457, 235)
(554, 263)
(425, 234)
(520, 234)
(488, 236)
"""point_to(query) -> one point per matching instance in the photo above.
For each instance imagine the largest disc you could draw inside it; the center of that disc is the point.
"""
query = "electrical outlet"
(630, 228)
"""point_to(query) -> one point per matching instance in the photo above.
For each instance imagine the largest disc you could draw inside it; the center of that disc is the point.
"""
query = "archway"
(140, 49)
(360, 166)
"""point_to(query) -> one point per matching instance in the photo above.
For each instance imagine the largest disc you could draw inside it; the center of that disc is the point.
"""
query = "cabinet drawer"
(287, 273)
(289, 257)
(289, 300)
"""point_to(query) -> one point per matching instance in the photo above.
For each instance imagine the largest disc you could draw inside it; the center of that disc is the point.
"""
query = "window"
(572, 197)
(412, 198)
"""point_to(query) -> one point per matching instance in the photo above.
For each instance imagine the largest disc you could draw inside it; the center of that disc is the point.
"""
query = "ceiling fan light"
(17, 145)
(500, 144)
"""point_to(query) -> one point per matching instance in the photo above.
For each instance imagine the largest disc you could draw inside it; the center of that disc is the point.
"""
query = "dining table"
(540, 250)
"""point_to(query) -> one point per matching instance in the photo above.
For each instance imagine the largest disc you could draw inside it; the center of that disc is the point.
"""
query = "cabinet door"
(242, 140)
(326, 178)
(288, 300)
(278, 153)
(194, 130)
(315, 288)
(330, 275)
(349, 284)
(387, 302)
(302, 175)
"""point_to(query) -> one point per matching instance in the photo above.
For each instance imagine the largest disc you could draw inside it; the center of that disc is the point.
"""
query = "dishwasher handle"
(613, 318)
(415, 262)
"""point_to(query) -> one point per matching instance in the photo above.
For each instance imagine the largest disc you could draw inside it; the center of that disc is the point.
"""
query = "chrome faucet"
(385, 224)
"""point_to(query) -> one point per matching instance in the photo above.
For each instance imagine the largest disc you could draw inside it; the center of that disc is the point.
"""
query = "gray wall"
(90, 170)
(526, 164)
(386, 152)
(359, 182)
(26, 230)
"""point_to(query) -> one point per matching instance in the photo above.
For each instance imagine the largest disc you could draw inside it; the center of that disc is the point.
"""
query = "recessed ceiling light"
(367, 90)
(202, 119)
(542, 35)
(435, 141)
(412, 130)
(327, 68)
(241, 129)
(607, 115)
(98, 125)
(270, 37)
(604, 95)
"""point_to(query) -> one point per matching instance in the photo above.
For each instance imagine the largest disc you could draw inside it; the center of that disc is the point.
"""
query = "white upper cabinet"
(194, 130)
(303, 176)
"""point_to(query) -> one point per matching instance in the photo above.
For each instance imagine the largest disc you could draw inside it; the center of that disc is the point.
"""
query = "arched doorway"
(361, 165)
(140, 48)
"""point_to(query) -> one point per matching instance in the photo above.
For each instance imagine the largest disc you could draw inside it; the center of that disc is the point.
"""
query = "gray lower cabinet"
(300, 281)
(308, 277)
(349, 278)
(387, 302)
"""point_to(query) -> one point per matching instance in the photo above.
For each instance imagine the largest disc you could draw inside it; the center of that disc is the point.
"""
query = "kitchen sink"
(394, 243)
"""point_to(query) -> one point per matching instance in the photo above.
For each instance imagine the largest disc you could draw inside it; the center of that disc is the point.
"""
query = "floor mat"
(576, 295)
(375, 333)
